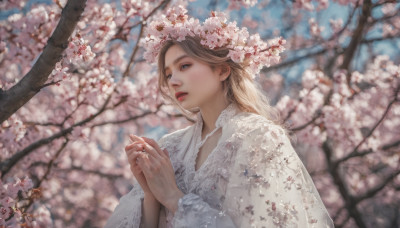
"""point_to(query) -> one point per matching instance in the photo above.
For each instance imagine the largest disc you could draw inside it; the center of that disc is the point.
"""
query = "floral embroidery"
(253, 178)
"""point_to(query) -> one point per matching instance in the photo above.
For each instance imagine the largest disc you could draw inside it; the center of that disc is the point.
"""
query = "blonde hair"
(239, 88)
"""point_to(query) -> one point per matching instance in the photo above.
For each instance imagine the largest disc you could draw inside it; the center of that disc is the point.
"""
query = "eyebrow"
(176, 60)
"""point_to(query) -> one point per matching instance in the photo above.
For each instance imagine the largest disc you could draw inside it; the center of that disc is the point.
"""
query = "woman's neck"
(210, 114)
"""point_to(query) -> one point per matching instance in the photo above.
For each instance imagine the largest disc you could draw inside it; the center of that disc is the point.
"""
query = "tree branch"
(95, 172)
(49, 166)
(351, 206)
(357, 35)
(6, 165)
(373, 191)
(132, 58)
(128, 119)
(14, 98)
(355, 152)
(391, 145)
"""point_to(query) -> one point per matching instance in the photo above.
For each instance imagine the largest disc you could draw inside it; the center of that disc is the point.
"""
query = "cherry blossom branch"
(377, 39)
(14, 98)
(136, 48)
(5, 166)
(297, 59)
(355, 152)
(27, 123)
(49, 166)
(351, 48)
(337, 214)
(349, 19)
(96, 172)
(121, 101)
(73, 111)
(373, 191)
(343, 222)
(295, 108)
(320, 52)
(316, 115)
(162, 4)
(384, 18)
(128, 119)
(351, 201)
(353, 155)
(119, 34)
(391, 145)
(59, 125)
(357, 35)
(337, 49)
(49, 84)
(383, 3)
(348, 199)
(80, 169)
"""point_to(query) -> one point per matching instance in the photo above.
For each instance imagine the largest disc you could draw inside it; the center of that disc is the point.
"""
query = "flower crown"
(214, 33)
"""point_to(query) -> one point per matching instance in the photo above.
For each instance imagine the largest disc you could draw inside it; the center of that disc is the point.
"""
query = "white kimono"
(252, 178)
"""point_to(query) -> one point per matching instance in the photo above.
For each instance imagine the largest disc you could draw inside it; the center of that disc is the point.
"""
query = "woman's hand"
(159, 173)
(133, 151)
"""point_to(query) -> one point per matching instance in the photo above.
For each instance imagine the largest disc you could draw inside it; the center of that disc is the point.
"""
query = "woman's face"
(192, 83)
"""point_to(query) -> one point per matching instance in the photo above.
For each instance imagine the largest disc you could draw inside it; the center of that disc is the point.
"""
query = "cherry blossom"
(215, 32)
(335, 83)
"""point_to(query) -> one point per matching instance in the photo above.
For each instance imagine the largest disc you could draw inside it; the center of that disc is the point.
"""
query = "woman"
(235, 167)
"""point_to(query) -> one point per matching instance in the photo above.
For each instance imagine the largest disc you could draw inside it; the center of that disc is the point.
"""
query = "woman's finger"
(134, 152)
(166, 152)
(147, 147)
(135, 145)
(154, 144)
(153, 152)
(135, 138)
(133, 156)
(144, 162)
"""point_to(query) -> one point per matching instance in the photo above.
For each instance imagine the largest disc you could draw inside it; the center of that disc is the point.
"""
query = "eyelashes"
(181, 67)
(184, 66)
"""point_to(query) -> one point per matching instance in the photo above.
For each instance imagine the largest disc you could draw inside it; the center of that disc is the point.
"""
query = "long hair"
(239, 87)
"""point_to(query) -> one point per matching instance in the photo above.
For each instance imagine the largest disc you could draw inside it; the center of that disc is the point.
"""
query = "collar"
(226, 114)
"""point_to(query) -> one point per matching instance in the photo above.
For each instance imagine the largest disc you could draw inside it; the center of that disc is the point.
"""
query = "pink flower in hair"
(237, 54)
(215, 32)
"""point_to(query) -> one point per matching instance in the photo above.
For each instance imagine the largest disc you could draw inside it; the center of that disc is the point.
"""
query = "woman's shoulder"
(255, 127)
(254, 122)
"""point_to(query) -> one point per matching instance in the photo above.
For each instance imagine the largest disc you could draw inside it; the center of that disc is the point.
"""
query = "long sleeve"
(193, 211)
(128, 212)
(268, 187)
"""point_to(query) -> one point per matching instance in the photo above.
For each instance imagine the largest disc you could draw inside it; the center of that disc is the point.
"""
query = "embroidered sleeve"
(128, 212)
(268, 187)
(193, 211)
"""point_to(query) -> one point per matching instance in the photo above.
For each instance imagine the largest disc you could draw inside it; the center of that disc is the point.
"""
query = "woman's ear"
(224, 72)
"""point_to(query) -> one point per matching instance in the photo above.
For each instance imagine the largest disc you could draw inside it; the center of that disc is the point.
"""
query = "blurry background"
(62, 161)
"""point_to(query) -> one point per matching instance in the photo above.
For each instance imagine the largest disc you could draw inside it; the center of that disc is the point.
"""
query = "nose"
(174, 81)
